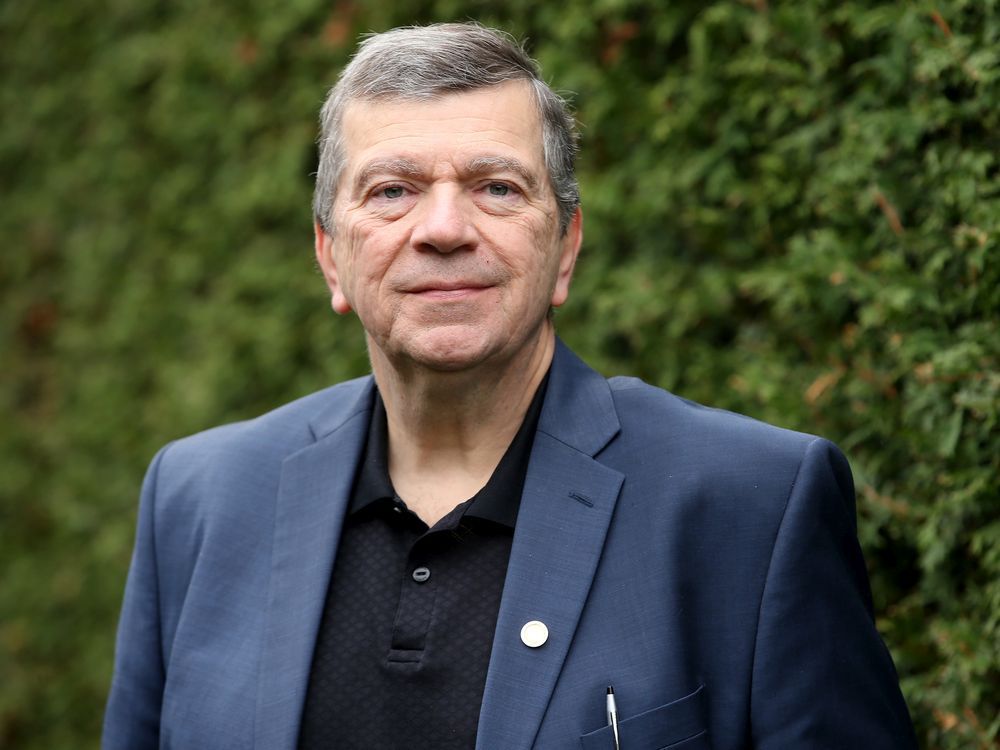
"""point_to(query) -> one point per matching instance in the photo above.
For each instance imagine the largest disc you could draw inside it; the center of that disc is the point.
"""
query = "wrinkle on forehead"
(485, 133)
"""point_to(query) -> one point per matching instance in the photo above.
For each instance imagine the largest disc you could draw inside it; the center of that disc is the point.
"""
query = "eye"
(499, 189)
(393, 191)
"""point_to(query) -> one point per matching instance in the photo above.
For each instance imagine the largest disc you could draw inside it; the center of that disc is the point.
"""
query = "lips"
(447, 286)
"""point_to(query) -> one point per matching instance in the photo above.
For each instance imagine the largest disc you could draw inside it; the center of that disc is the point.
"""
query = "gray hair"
(420, 63)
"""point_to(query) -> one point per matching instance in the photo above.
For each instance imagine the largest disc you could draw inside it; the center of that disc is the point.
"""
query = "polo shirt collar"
(498, 501)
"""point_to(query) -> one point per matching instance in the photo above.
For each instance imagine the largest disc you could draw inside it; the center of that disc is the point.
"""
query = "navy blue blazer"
(703, 563)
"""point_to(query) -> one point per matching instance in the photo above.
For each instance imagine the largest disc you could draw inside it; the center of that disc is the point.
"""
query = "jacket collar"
(578, 408)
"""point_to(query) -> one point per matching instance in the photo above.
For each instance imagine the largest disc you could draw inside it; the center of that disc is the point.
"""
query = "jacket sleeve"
(822, 677)
(132, 716)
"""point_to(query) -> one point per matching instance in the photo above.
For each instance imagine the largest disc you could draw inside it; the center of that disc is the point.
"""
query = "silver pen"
(613, 716)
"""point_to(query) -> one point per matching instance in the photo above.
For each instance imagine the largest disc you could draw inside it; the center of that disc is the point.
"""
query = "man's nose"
(444, 221)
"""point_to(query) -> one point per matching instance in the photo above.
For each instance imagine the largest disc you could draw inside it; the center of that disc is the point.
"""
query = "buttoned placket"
(418, 590)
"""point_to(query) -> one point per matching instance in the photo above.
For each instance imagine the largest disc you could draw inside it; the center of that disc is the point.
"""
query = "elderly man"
(473, 546)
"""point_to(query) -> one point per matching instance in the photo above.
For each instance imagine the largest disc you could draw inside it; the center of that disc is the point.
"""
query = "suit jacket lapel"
(566, 507)
(312, 500)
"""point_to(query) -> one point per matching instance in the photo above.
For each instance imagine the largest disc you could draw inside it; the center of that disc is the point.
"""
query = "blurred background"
(792, 211)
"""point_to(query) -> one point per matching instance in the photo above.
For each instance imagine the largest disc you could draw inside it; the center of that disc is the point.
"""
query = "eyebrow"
(485, 165)
(477, 167)
(396, 166)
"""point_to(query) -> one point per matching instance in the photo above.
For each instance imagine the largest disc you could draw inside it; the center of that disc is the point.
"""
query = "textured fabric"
(407, 628)
(666, 547)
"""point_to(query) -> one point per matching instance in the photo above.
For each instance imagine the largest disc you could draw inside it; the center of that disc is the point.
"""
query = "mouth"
(448, 289)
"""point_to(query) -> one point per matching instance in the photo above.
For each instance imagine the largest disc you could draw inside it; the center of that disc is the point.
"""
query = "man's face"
(446, 240)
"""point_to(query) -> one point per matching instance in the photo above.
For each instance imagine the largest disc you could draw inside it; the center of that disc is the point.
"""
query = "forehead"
(498, 121)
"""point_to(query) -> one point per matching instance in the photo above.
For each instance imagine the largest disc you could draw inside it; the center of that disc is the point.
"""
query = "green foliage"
(793, 211)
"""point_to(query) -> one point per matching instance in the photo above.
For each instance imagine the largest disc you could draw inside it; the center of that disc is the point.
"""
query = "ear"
(327, 264)
(569, 250)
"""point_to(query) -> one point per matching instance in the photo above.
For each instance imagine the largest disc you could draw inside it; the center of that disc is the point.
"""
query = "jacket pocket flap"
(658, 728)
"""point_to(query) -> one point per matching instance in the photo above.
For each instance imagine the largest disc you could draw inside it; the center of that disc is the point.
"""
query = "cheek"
(367, 254)
(356, 246)
(523, 246)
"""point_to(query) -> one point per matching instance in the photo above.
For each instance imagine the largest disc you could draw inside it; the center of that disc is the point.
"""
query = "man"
(471, 547)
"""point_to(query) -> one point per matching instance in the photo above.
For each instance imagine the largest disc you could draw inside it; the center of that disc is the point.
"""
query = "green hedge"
(792, 210)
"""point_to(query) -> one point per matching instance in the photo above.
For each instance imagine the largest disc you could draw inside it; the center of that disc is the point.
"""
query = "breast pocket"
(679, 725)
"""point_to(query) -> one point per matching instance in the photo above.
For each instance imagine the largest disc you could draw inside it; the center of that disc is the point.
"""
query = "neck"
(449, 430)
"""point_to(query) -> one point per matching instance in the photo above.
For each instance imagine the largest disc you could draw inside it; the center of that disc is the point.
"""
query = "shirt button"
(421, 574)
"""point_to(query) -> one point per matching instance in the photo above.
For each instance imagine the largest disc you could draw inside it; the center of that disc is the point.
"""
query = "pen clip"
(612, 709)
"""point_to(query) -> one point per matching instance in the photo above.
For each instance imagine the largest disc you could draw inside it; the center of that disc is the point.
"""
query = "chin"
(448, 349)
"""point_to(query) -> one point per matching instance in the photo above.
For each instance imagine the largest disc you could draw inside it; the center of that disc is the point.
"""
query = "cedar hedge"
(793, 211)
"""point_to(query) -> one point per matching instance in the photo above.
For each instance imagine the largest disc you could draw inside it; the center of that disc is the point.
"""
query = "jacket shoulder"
(273, 435)
(224, 472)
(701, 447)
(654, 415)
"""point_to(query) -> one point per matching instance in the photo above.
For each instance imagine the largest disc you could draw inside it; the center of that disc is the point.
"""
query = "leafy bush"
(793, 211)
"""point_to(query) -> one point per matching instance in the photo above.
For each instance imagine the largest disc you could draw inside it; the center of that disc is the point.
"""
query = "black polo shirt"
(405, 640)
